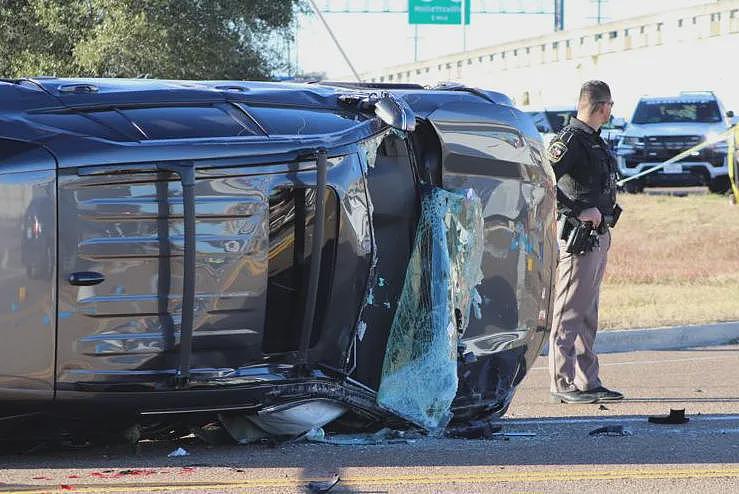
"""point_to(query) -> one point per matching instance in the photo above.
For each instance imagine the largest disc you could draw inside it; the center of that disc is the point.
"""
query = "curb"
(670, 338)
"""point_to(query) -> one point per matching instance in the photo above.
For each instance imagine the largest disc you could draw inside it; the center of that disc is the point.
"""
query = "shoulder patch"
(556, 150)
(567, 135)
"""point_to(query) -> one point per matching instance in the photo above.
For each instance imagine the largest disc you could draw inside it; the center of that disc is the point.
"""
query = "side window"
(10, 149)
(296, 121)
(183, 122)
(26, 155)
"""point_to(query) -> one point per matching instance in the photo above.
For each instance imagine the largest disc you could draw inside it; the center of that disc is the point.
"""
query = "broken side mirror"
(395, 112)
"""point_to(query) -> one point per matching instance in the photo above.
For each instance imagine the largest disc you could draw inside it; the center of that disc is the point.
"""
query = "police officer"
(586, 190)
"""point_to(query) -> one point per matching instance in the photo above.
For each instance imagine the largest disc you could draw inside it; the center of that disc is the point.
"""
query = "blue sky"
(374, 41)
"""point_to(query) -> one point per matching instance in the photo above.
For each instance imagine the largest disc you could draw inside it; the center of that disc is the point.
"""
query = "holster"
(610, 220)
(579, 236)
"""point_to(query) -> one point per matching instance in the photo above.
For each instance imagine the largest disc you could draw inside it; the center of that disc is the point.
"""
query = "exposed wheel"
(719, 185)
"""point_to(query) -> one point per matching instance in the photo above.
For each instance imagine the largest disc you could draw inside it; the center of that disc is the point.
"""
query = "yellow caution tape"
(728, 134)
(733, 165)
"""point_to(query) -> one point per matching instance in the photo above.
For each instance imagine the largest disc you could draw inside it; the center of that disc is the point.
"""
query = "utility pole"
(336, 41)
(559, 15)
(599, 15)
(415, 42)
(463, 6)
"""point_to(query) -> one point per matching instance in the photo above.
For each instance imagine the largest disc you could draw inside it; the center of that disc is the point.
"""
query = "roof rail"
(78, 88)
(368, 85)
(491, 96)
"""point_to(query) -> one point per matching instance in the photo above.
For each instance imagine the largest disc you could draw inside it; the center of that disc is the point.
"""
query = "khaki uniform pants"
(572, 362)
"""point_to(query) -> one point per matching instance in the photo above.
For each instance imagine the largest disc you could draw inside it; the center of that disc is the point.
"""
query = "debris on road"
(675, 417)
(476, 429)
(610, 430)
(320, 487)
(178, 452)
(602, 407)
(383, 436)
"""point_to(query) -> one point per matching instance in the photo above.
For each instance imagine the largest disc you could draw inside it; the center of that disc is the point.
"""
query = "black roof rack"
(368, 85)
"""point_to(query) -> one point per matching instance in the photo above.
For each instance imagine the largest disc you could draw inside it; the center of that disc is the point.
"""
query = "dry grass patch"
(674, 260)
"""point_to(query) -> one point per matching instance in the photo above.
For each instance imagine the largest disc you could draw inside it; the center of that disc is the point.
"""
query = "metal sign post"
(463, 18)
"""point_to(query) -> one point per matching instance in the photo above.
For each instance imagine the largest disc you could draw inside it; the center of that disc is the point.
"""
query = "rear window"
(676, 112)
(296, 121)
(184, 122)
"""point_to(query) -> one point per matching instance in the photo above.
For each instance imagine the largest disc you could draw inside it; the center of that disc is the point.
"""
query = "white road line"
(586, 420)
(633, 362)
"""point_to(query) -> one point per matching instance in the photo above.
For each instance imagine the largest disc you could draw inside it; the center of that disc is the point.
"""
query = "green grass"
(674, 260)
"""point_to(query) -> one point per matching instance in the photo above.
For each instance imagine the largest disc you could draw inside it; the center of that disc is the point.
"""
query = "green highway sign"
(438, 11)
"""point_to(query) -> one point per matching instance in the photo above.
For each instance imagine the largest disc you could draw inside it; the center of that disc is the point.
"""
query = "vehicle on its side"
(662, 127)
(175, 250)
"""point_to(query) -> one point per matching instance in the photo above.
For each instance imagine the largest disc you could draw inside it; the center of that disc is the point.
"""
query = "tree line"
(167, 39)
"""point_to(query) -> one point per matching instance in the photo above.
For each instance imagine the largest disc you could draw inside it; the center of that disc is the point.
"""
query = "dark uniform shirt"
(585, 170)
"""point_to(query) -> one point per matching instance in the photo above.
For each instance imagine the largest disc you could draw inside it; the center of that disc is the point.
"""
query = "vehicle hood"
(672, 129)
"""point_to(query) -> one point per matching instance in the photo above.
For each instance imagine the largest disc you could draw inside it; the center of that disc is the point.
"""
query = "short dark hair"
(592, 95)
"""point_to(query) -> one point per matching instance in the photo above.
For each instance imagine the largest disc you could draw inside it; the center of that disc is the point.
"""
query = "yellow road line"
(419, 479)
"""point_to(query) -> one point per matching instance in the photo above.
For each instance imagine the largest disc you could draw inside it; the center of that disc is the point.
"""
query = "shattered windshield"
(433, 310)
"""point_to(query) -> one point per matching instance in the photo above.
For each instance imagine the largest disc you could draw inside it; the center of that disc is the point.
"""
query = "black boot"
(575, 396)
(605, 394)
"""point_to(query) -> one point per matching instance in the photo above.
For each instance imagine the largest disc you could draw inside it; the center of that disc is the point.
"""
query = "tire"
(634, 187)
(719, 185)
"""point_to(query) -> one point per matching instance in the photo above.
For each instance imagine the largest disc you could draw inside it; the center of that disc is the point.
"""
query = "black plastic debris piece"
(610, 430)
(602, 407)
(675, 417)
(321, 487)
(476, 429)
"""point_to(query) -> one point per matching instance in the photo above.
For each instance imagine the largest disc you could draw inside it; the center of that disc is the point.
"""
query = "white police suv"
(661, 128)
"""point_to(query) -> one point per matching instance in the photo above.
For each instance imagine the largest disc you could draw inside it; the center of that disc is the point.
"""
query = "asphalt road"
(543, 447)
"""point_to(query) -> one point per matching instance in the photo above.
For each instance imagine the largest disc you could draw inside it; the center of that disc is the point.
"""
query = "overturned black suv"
(289, 253)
